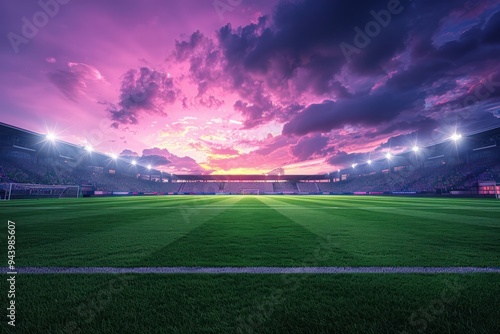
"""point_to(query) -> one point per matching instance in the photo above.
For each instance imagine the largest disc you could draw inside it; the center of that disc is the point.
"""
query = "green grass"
(255, 231)
(258, 304)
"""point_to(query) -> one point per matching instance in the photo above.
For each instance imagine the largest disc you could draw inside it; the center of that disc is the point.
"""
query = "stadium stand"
(308, 187)
(24, 160)
(200, 187)
(239, 187)
(285, 187)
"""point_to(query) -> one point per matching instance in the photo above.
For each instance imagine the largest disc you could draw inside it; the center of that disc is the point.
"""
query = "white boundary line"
(254, 270)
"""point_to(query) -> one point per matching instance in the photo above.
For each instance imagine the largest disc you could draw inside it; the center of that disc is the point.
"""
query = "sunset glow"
(298, 85)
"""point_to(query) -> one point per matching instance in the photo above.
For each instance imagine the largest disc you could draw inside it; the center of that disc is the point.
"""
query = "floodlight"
(51, 137)
(388, 155)
(456, 137)
(149, 167)
(416, 148)
(114, 156)
(369, 162)
(354, 165)
(89, 148)
(134, 162)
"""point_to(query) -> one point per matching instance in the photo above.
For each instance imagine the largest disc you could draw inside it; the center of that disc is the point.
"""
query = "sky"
(249, 86)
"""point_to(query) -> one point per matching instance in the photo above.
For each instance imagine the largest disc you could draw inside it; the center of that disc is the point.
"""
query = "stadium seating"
(239, 187)
(200, 187)
(21, 168)
(285, 187)
(308, 187)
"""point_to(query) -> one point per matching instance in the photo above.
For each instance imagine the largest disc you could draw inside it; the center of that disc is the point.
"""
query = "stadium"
(37, 166)
(250, 167)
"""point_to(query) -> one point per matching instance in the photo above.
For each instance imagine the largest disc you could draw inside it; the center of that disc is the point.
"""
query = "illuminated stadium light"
(388, 155)
(456, 137)
(134, 162)
(354, 165)
(113, 156)
(51, 137)
(89, 148)
(149, 167)
(416, 148)
(369, 162)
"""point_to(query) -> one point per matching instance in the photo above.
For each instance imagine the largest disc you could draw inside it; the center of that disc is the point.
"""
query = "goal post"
(10, 191)
(250, 192)
(5, 190)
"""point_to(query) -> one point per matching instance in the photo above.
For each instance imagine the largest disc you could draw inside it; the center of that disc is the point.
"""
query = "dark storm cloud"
(144, 90)
(342, 158)
(365, 110)
(310, 147)
(423, 126)
(203, 58)
(283, 65)
(184, 49)
(491, 31)
(298, 46)
(475, 49)
(273, 144)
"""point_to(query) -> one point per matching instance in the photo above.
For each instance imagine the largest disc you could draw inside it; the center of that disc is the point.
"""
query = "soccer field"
(263, 232)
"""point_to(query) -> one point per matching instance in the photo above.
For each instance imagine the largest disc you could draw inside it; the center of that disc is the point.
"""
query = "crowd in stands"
(200, 187)
(428, 179)
(285, 187)
(240, 187)
(307, 187)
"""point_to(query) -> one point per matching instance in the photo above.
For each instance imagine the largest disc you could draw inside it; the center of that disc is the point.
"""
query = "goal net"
(250, 192)
(10, 191)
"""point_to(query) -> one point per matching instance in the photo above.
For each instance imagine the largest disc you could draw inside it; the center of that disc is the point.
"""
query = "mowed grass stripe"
(357, 235)
(117, 238)
(394, 201)
(374, 237)
(442, 236)
(107, 203)
(240, 238)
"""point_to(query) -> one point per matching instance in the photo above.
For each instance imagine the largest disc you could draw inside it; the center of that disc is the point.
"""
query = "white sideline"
(253, 270)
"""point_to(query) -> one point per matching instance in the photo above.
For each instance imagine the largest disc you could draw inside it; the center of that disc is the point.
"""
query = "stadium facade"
(466, 166)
